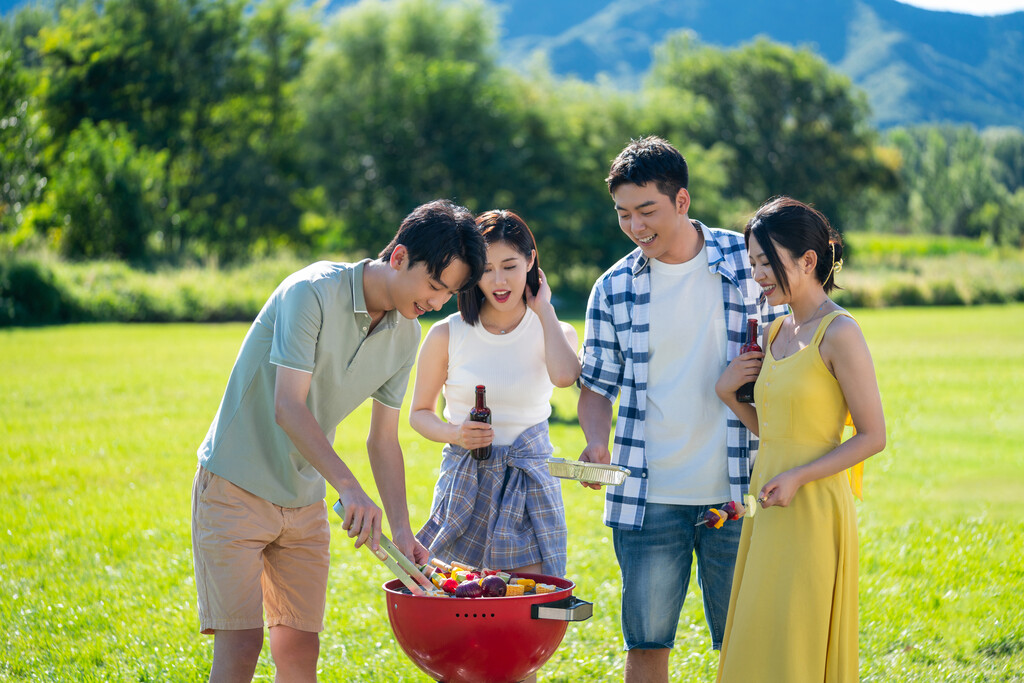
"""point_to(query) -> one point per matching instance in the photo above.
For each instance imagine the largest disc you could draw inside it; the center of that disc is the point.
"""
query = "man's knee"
(293, 648)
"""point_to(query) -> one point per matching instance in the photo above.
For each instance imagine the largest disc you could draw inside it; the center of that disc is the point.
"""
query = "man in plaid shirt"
(661, 326)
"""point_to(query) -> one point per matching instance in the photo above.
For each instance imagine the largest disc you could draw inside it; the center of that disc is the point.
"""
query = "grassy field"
(99, 426)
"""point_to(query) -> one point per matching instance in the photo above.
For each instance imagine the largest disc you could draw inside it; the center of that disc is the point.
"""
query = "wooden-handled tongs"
(398, 563)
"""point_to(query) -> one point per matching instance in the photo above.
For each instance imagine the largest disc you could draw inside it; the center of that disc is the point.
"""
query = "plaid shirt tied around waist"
(615, 362)
(502, 513)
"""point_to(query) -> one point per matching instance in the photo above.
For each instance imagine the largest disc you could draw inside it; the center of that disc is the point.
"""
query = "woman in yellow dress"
(793, 610)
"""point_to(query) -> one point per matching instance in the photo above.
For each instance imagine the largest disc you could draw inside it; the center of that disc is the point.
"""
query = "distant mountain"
(915, 65)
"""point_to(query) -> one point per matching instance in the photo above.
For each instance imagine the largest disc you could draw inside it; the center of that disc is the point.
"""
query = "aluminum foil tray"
(589, 472)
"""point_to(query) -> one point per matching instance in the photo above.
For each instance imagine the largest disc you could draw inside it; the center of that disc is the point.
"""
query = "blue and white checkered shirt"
(615, 360)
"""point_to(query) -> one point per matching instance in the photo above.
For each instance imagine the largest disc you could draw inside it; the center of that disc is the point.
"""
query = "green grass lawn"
(98, 430)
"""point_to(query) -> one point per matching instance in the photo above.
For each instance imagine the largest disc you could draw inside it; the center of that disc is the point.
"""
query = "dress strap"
(773, 331)
(775, 327)
(819, 333)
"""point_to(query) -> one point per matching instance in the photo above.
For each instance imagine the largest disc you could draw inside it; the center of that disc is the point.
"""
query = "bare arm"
(362, 516)
(595, 415)
(560, 340)
(743, 368)
(388, 465)
(431, 373)
(846, 354)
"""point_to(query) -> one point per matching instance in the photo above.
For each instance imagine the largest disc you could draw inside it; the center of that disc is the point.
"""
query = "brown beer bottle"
(480, 413)
(745, 394)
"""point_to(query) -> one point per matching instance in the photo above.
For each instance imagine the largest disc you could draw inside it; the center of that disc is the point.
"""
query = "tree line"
(176, 131)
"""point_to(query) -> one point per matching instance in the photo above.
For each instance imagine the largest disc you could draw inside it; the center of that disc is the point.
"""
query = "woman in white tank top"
(504, 512)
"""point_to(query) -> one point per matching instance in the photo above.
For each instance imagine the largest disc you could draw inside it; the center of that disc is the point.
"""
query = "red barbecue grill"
(476, 640)
(483, 640)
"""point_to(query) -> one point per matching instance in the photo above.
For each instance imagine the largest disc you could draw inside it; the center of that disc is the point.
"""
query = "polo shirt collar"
(359, 298)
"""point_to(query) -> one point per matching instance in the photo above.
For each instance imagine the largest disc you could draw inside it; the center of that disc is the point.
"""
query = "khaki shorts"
(251, 555)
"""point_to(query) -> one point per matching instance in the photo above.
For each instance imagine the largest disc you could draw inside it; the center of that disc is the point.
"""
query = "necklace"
(508, 328)
(813, 315)
(795, 325)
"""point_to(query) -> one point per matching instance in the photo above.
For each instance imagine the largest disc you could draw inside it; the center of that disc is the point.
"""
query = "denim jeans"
(655, 563)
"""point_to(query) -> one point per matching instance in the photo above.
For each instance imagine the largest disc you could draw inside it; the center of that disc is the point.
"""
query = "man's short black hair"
(437, 233)
(650, 160)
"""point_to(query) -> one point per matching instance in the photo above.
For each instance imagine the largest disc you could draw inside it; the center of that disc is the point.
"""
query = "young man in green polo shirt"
(330, 336)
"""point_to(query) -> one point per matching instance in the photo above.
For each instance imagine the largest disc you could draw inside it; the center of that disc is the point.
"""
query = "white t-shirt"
(685, 428)
(512, 368)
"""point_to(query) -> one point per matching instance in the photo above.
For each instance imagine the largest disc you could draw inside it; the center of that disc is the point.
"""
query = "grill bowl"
(478, 640)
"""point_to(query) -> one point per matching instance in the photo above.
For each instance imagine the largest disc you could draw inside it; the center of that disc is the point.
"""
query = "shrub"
(903, 293)
(30, 295)
(949, 293)
(113, 291)
(41, 289)
(861, 296)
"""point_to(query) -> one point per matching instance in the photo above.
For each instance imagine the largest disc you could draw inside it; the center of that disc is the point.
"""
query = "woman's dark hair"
(797, 228)
(650, 160)
(437, 233)
(501, 226)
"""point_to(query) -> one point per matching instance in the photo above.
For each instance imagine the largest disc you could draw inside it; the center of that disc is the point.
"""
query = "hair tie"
(837, 266)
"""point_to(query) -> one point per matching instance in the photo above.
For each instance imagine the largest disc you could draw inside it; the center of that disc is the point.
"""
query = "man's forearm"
(595, 416)
(388, 465)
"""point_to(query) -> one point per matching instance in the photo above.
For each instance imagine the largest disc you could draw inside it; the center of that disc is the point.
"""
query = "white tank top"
(512, 368)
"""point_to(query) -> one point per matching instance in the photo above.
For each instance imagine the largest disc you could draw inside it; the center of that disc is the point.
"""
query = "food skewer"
(715, 518)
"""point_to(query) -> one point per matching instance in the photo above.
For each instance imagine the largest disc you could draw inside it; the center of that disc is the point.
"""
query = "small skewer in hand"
(715, 518)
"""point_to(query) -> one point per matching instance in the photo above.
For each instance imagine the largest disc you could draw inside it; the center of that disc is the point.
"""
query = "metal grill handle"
(567, 609)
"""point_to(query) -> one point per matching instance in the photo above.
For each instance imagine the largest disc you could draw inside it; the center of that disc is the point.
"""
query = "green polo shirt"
(316, 322)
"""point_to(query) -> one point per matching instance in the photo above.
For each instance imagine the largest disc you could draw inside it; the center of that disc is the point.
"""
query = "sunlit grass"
(99, 426)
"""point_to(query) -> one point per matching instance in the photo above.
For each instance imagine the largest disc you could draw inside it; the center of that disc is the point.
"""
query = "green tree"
(156, 67)
(253, 169)
(583, 126)
(1006, 147)
(21, 174)
(108, 193)
(403, 103)
(208, 81)
(950, 187)
(23, 25)
(795, 126)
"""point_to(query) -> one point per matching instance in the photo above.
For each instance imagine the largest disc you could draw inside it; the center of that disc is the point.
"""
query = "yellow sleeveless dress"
(793, 611)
